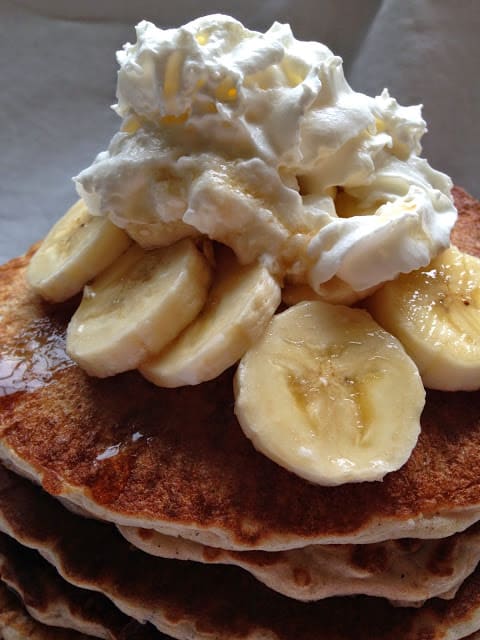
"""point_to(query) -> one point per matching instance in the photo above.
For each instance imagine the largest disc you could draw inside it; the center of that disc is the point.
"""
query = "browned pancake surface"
(179, 456)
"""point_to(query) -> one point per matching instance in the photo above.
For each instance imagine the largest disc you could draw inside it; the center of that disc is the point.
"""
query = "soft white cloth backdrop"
(57, 71)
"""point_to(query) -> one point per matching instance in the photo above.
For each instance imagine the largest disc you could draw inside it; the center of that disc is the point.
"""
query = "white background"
(58, 73)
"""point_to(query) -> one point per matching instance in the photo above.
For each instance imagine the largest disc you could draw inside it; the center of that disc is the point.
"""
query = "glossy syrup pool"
(36, 357)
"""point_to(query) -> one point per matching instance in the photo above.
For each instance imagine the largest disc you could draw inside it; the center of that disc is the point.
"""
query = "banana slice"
(77, 248)
(152, 228)
(329, 395)
(136, 307)
(240, 305)
(435, 313)
(153, 235)
(334, 291)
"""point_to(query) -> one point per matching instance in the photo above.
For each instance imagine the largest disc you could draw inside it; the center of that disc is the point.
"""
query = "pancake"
(16, 624)
(177, 461)
(414, 571)
(190, 600)
(52, 601)
(406, 571)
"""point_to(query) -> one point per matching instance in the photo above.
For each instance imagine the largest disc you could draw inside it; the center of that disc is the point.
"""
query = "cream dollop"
(258, 141)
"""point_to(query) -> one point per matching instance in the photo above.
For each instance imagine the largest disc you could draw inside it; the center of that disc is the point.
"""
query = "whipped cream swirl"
(258, 141)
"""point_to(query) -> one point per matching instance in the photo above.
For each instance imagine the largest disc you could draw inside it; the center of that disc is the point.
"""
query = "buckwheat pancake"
(54, 602)
(177, 461)
(406, 571)
(190, 600)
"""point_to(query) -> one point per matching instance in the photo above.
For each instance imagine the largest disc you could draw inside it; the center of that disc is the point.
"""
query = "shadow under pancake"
(16, 624)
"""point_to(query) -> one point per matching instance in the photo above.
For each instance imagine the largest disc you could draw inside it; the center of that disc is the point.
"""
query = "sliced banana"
(334, 291)
(435, 313)
(136, 307)
(153, 235)
(77, 248)
(160, 224)
(241, 303)
(330, 395)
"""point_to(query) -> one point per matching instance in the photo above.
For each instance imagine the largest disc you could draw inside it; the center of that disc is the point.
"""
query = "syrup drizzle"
(36, 357)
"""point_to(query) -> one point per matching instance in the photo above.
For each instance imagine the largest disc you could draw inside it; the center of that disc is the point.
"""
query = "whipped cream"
(258, 141)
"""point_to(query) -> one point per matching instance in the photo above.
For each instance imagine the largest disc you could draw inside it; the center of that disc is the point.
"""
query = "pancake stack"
(130, 511)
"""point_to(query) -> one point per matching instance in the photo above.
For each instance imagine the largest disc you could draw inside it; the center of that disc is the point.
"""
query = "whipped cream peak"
(257, 140)
(404, 124)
